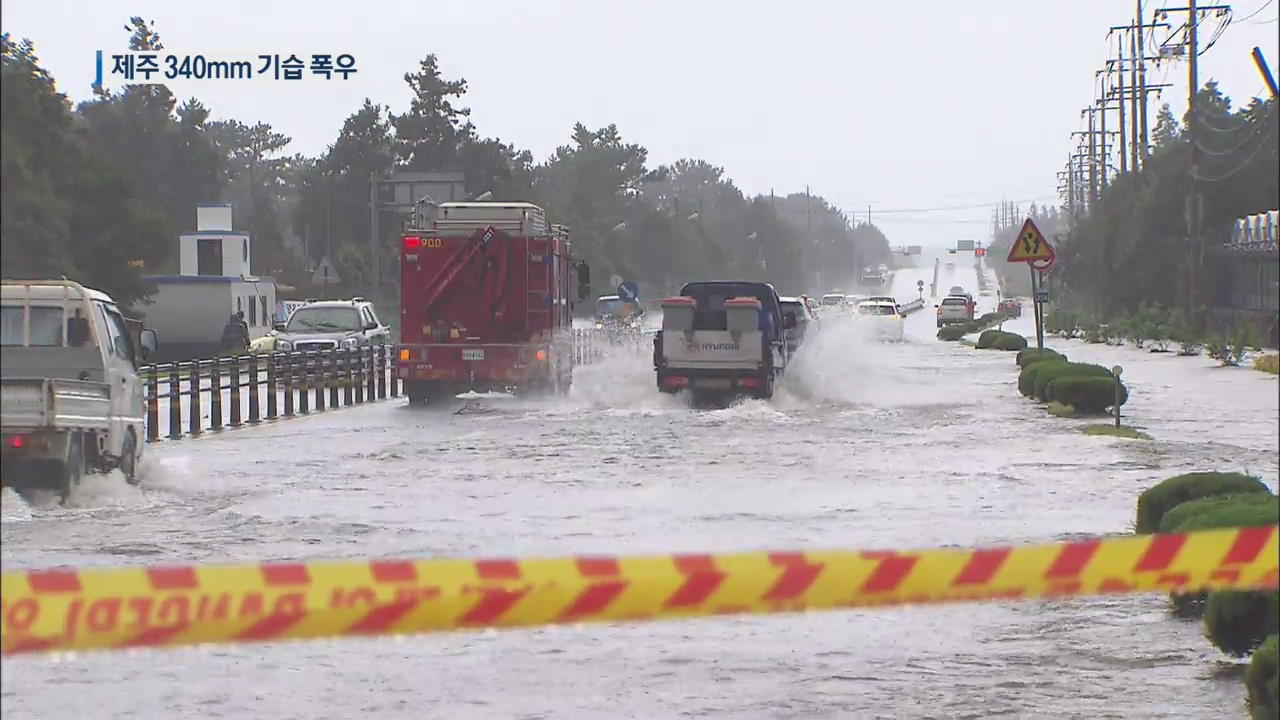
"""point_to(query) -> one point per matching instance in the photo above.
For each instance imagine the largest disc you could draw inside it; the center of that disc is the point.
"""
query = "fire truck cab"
(487, 291)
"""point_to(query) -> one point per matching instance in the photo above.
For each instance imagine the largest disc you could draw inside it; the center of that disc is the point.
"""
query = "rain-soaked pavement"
(869, 445)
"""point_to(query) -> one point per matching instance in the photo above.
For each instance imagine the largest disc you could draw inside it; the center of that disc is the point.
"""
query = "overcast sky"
(897, 105)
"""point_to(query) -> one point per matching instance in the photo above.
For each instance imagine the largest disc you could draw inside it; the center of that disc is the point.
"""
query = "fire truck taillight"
(406, 354)
(412, 242)
(541, 355)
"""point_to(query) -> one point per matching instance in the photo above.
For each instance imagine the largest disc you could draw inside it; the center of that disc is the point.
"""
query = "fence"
(249, 389)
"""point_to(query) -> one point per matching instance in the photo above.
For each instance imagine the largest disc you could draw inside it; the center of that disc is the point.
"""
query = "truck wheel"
(72, 470)
(766, 392)
(129, 458)
(416, 391)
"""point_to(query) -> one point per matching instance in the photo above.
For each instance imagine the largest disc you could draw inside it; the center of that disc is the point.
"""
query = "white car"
(885, 315)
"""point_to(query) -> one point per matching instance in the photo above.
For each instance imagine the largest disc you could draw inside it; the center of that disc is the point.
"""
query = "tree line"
(100, 191)
(1131, 249)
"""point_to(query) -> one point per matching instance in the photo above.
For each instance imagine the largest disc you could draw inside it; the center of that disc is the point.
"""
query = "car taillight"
(17, 442)
(749, 382)
(675, 381)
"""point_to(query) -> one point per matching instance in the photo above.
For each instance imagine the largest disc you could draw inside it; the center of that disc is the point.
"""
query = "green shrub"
(1268, 363)
(1182, 331)
(1237, 621)
(1262, 680)
(1048, 375)
(953, 332)
(1242, 512)
(1158, 500)
(1034, 355)
(1180, 513)
(987, 339)
(1031, 371)
(1088, 395)
(1010, 341)
(1237, 514)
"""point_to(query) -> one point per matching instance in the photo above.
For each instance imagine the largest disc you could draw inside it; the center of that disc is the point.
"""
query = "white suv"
(330, 324)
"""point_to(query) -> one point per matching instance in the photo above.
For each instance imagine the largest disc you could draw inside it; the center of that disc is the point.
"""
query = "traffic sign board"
(628, 290)
(1030, 245)
(1042, 296)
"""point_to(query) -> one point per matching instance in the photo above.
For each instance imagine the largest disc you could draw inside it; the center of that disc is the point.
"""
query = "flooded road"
(867, 445)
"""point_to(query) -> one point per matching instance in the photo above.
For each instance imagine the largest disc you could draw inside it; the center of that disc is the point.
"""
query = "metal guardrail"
(249, 389)
(276, 385)
(911, 307)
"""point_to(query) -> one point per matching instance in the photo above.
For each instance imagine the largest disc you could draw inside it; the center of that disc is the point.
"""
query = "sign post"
(1115, 372)
(1031, 247)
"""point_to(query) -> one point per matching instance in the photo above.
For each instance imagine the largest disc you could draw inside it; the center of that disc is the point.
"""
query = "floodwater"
(867, 445)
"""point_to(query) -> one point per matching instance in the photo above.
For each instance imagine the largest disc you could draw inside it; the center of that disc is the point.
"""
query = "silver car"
(330, 324)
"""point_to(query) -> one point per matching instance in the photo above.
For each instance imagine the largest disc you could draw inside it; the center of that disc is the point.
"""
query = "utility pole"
(1142, 82)
(1194, 200)
(374, 245)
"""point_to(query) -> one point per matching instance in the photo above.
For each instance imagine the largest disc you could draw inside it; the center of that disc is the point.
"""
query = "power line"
(1264, 6)
(1241, 166)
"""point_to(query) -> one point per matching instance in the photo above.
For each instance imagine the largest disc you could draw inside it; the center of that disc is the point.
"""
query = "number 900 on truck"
(487, 291)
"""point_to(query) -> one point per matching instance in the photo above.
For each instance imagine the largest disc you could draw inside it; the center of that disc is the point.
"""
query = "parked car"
(329, 324)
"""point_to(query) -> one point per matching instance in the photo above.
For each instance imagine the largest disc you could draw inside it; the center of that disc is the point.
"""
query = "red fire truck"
(486, 301)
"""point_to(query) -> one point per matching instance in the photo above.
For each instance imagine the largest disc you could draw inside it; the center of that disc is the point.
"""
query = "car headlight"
(283, 344)
(351, 342)
(599, 326)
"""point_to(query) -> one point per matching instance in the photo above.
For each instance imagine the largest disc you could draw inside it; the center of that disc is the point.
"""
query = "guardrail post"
(235, 393)
(175, 404)
(322, 377)
(153, 405)
(335, 377)
(272, 389)
(348, 377)
(359, 365)
(195, 423)
(301, 368)
(289, 382)
(215, 397)
(381, 365)
(253, 390)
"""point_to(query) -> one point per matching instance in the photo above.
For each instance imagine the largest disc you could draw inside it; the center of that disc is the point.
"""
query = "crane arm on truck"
(475, 252)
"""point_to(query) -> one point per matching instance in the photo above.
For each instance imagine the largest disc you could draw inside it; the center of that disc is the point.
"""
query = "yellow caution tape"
(94, 608)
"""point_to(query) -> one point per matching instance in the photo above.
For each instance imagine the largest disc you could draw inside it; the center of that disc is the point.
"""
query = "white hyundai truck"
(722, 339)
(71, 400)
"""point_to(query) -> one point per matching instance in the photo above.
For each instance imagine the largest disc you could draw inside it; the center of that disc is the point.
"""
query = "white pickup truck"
(722, 339)
(70, 397)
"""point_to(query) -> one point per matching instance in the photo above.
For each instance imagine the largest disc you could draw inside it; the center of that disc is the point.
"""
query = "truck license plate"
(473, 354)
(713, 383)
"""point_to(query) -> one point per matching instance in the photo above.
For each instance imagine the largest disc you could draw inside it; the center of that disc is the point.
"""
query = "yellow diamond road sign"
(1030, 245)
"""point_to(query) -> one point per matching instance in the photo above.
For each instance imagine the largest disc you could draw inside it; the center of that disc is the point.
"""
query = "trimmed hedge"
(954, 332)
(1182, 512)
(1035, 355)
(1010, 341)
(1087, 395)
(987, 339)
(1262, 679)
(1237, 514)
(1238, 621)
(1027, 378)
(1048, 375)
(1156, 501)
